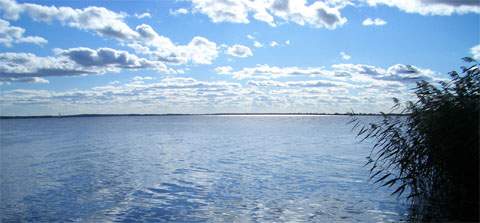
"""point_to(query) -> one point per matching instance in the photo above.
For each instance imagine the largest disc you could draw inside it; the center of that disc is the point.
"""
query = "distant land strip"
(193, 114)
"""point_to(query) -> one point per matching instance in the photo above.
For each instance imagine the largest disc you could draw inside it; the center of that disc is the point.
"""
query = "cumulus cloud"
(300, 84)
(97, 19)
(179, 11)
(345, 56)
(70, 62)
(191, 95)
(182, 83)
(374, 22)
(107, 57)
(273, 44)
(10, 35)
(143, 15)
(26, 65)
(398, 72)
(269, 72)
(199, 50)
(408, 73)
(318, 14)
(9, 9)
(431, 7)
(239, 51)
(36, 80)
(184, 94)
(176, 92)
(223, 11)
(475, 51)
(143, 39)
(353, 72)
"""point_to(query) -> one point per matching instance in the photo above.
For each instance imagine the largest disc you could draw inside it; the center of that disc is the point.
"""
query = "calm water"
(188, 169)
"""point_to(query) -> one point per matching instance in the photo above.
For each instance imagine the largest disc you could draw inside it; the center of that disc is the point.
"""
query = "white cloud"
(26, 65)
(268, 72)
(185, 94)
(140, 78)
(35, 80)
(223, 70)
(345, 56)
(257, 44)
(299, 84)
(144, 39)
(71, 62)
(179, 11)
(353, 72)
(223, 11)
(475, 51)
(106, 57)
(10, 35)
(188, 95)
(273, 44)
(239, 51)
(318, 14)
(199, 50)
(98, 19)
(431, 7)
(143, 15)
(343, 86)
(9, 9)
(398, 73)
(374, 22)
(181, 82)
(287, 42)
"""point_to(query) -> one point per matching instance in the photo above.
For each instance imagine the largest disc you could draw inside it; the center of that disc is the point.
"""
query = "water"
(188, 169)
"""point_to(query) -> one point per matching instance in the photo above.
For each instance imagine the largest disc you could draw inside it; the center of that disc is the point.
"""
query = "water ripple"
(188, 169)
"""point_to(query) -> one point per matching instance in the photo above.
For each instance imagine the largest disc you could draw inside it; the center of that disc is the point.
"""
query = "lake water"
(189, 169)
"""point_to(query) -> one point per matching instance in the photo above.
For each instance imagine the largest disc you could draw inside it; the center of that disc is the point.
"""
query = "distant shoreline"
(199, 114)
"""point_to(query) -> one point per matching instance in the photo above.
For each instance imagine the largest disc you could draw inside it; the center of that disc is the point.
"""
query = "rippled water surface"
(188, 169)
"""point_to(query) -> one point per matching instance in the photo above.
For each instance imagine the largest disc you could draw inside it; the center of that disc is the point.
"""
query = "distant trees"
(432, 153)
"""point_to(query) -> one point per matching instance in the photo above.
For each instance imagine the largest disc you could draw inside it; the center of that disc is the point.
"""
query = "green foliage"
(432, 152)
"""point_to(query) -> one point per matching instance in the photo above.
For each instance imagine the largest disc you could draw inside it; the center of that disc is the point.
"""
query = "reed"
(431, 154)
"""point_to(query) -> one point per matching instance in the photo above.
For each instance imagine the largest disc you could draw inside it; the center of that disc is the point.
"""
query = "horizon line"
(196, 114)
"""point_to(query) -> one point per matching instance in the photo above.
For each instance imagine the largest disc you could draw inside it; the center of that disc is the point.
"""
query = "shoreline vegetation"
(198, 114)
(433, 153)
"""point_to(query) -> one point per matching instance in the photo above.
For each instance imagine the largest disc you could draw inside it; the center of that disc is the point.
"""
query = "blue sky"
(204, 56)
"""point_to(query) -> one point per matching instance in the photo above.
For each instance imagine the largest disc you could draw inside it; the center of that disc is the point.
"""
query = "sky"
(207, 56)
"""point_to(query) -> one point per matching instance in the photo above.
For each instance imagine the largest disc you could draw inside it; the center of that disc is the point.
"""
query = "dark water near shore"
(188, 169)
